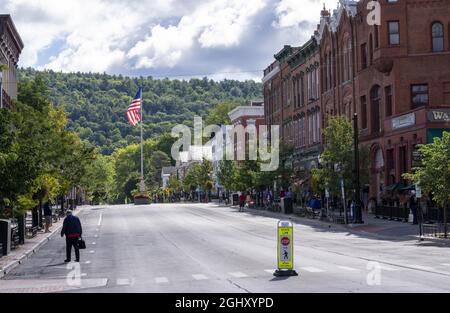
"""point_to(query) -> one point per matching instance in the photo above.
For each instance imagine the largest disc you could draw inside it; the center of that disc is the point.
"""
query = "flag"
(134, 110)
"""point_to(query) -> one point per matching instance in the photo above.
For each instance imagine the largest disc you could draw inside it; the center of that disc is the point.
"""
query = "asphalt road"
(206, 248)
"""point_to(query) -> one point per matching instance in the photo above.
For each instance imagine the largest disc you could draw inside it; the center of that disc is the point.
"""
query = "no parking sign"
(285, 249)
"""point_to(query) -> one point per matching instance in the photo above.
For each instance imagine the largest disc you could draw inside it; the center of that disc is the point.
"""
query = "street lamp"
(1, 89)
(358, 213)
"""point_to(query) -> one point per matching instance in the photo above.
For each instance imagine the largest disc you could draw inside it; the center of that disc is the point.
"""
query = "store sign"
(404, 121)
(439, 115)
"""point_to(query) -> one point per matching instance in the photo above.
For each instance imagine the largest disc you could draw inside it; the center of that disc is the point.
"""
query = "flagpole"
(142, 146)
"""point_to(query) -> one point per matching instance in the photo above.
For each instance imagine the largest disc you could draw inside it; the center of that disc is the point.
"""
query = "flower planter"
(140, 200)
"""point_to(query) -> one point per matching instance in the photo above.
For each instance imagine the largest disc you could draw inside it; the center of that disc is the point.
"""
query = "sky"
(233, 39)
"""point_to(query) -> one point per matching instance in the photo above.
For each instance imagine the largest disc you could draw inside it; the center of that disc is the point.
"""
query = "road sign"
(285, 239)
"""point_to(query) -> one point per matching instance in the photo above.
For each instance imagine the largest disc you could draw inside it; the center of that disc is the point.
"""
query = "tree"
(337, 158)
(218, 115)
(227, 174)
(199, 175)
(434, 174)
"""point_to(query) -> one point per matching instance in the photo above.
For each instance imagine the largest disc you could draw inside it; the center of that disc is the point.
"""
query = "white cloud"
(214, 24)
(176, 36)
(291, 13)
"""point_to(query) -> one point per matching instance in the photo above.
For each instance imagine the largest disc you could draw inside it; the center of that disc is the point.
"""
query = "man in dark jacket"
(73, 231)
(48, 215)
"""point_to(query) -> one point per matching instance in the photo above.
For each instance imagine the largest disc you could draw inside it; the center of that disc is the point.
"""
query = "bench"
(15, 239)
(30, 230)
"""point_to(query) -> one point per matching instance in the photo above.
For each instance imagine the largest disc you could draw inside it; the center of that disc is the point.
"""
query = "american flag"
(134, 110)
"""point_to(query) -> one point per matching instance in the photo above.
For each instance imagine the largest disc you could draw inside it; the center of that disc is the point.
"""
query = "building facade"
(394, 74)
(11, 46)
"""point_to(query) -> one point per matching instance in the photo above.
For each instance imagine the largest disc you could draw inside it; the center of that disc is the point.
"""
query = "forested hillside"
(96, 103)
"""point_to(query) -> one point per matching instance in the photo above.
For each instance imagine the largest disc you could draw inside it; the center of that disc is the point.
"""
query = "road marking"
(269, 271)
(346, 268)
(123, 282)
(388, 269)
(161, 280)
(100, 220)
(94, 243)
(238, 274)
(83, 275)
(420, 267)
(92, 251)
(199, 277)
(445, 264)
(87, 262)
(312, 269)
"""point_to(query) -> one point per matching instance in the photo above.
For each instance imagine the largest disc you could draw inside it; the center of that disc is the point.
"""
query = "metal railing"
(392, 213)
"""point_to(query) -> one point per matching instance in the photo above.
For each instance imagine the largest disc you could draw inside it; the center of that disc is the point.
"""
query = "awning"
(394, 187)
(407, 188)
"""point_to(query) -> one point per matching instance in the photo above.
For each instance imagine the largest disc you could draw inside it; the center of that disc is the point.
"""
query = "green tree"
(434, 174)
(337, 158)
(218, 115)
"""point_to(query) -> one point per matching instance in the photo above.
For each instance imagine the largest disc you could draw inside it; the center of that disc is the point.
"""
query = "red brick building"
(11, 46)
(395, 76)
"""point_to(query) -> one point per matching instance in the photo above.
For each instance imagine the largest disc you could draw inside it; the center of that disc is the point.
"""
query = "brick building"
(395, 76)
(11, 46)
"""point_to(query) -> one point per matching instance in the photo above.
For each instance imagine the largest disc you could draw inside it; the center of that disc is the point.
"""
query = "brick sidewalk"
(31, 246)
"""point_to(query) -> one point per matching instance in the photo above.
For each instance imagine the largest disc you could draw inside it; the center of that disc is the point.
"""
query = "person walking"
(242, 199)
(48, 216)
(72, 230)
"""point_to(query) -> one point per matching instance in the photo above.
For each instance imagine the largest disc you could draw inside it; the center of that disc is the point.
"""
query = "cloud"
(214, 24)
(223, 38)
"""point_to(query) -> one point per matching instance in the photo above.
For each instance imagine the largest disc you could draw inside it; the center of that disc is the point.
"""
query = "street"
(204, 248)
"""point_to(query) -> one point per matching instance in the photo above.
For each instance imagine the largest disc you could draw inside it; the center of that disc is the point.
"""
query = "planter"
(141, 200)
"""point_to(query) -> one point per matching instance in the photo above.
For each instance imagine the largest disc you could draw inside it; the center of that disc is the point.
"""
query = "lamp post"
(358, 213)
(1, 89)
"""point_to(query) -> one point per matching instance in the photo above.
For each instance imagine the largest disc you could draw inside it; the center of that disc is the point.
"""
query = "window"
(302, 91)
(394, 32)
(437, 34)
(388, 98)
(419, 95)
(363, 112)
(376, 35)
(375, 101)
(363, 56)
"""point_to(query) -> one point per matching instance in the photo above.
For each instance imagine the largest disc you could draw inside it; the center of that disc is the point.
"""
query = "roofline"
(17, 38)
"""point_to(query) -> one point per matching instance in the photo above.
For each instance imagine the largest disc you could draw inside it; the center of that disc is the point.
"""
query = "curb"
(351, 228)
(12, 265)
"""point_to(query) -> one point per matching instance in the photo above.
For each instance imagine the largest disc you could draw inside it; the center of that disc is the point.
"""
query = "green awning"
(394, 187)
(406, 188)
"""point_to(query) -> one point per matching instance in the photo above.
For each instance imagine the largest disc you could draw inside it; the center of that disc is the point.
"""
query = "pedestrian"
(242, 199)
(73, 231)
(48, 215)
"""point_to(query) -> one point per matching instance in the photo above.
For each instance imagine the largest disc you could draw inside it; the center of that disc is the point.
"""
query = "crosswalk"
(306, 270)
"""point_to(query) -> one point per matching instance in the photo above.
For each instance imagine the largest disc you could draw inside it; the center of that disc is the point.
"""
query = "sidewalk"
(383, 229)
(31, 246)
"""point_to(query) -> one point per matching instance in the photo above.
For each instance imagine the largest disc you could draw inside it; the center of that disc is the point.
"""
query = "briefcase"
(81, 244)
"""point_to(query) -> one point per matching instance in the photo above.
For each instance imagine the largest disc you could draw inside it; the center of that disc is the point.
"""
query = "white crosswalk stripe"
(238, 274)
(200, 277)
(161, 280)
(123, 282)
(446, 264)
(312, 269)
(350, 269)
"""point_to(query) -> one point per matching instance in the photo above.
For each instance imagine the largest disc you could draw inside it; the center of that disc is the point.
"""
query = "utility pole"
(358, 213)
